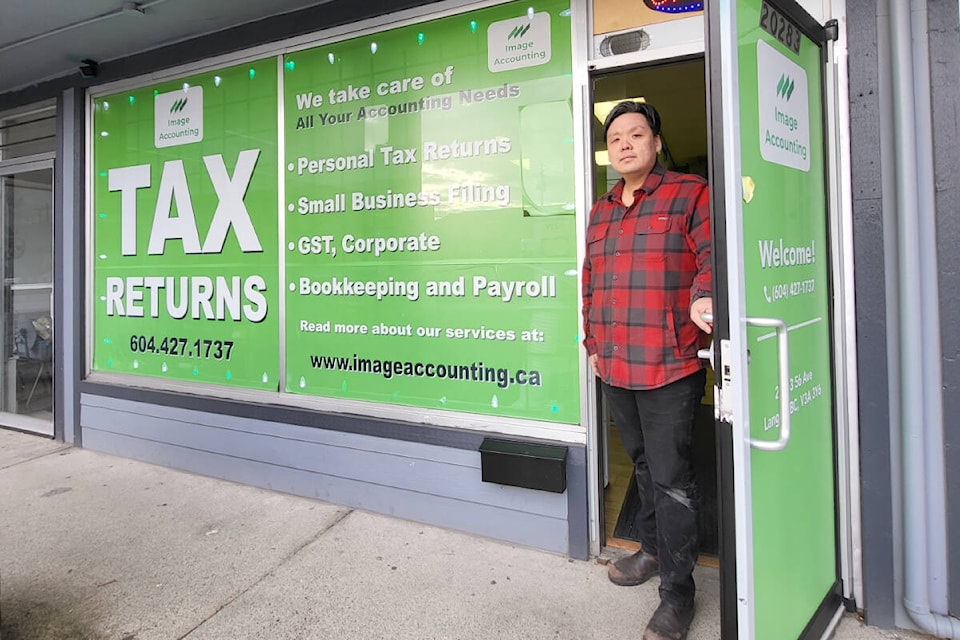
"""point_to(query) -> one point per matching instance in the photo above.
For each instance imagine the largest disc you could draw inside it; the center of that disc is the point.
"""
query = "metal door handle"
(707, 354)
(783, 369)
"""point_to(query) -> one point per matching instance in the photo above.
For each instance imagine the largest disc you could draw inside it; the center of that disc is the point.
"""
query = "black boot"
(669, 623)
(633, 570)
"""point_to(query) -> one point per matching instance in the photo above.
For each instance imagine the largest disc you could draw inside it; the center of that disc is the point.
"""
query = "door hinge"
(831, 30)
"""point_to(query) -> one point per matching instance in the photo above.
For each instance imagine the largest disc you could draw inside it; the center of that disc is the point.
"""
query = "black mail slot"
(524, 464)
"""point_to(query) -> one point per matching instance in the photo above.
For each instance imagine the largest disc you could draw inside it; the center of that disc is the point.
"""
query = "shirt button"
(617, 253)
(614, 301)
(615, 348)
(620, 232)
(615, 277)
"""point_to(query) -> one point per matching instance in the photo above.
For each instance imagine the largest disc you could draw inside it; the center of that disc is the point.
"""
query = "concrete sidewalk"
(96, 547)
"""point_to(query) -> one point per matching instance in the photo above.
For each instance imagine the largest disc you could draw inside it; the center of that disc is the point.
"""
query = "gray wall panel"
(422, 482)
(874, 420)
(265, 411)
(503, 524)
(137, 410)
(578, 513)
(373, 460)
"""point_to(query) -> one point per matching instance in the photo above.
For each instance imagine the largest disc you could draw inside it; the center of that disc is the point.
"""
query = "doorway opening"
(677, 88)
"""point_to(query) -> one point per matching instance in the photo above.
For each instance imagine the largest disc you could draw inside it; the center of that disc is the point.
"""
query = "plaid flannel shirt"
(644, 265)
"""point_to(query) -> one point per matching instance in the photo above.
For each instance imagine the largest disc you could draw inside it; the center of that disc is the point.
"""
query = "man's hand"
(700, 307)
(593, 365)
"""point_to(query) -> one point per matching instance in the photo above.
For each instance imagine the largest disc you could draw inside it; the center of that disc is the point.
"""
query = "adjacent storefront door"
(26, 324)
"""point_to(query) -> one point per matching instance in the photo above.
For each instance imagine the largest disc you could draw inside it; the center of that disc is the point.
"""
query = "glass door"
(772, 294)
(26, 324)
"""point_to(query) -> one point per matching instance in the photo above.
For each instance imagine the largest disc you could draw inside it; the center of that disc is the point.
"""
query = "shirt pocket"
(596, 237)
(652, 239)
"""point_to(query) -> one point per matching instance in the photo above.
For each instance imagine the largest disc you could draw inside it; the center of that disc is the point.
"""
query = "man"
(646, 289)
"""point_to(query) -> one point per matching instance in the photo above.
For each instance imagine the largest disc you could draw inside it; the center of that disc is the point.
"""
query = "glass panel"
(26, 205)
(28, 134)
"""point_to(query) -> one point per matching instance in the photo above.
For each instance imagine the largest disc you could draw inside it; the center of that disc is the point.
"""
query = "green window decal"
(419, 226)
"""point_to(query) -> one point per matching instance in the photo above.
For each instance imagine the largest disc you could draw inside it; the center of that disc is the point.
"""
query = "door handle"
(707, 354)
(783, 371)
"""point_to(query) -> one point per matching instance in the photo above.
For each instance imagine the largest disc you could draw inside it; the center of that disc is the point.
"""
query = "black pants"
(656, 428)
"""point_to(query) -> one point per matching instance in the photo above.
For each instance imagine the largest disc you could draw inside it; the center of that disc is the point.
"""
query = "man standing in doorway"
(646, 288)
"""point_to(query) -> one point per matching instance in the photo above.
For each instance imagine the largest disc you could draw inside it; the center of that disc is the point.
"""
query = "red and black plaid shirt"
(644, 265)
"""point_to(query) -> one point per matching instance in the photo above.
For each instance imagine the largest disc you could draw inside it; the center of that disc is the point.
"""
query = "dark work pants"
(656, 428)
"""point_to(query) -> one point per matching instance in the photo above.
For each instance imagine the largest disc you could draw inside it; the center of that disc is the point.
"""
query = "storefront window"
(425, 236)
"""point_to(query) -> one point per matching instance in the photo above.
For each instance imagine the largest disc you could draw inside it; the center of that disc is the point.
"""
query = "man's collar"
(650, 183)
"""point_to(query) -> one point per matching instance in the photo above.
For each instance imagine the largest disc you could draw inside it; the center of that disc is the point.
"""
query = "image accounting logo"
(519, 42)
(178, 117)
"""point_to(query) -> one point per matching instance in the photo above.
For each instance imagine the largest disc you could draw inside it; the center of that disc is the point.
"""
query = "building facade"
(336, 253)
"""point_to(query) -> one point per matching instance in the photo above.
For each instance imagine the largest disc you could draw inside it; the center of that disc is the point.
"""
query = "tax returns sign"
(418, 229)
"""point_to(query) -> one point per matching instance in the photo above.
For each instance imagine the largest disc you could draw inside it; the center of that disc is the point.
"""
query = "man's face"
(631, 146)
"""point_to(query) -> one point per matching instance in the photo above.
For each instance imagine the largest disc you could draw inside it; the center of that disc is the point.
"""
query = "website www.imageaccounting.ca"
(476, 372)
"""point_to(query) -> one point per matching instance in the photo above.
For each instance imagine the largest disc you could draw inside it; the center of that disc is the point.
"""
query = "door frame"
(38, 162)
(600, 429)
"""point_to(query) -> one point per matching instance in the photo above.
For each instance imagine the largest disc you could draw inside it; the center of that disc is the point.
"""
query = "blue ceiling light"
(674, 6)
